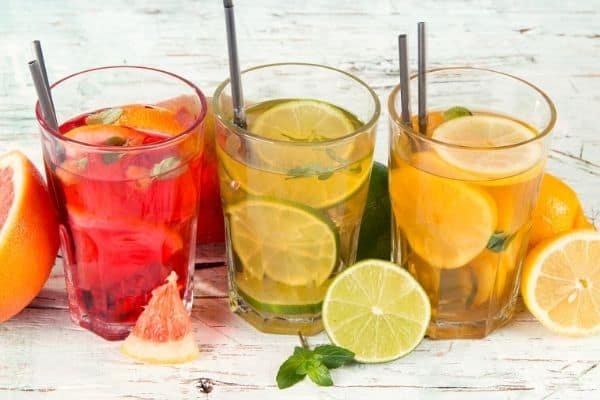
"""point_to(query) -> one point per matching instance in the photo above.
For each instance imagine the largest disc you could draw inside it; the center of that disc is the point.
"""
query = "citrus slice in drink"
(446, 222)
(303, 121)
(278, 298)
(107, 135)
(163, 332)
(487, 132)
(151, 118)
(290, 244)
(561, 283)
(299, 184)
(377, 310)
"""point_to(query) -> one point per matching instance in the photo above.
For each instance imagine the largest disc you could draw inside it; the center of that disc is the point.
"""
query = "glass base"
(307, 325)
(448, 329)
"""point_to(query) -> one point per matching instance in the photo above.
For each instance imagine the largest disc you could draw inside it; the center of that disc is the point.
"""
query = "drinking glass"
(294, 186)
(124, 169)
(463, 192)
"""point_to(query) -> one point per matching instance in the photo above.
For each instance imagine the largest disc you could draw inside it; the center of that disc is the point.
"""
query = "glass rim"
(250, 135)
(150, 146)
(396, 119)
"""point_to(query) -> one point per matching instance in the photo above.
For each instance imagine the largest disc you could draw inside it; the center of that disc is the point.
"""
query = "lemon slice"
(302, 121)
(488, 131)
(377, 310)
(446, 222)
(289, 244)
(561, 283)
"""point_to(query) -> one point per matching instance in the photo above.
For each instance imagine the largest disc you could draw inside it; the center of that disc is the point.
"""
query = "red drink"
(130, 216)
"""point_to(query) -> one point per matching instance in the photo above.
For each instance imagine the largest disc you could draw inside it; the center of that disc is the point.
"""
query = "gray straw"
(239, 117)
(404, 82)
(422, 46)
(39, 56)
(43, 94)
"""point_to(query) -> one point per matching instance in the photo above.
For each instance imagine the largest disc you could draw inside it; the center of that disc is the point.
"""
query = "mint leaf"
(167, 168)
(303, 171)
(333, 356)
(287, 375)
(499, 241)
(314, 363)
(82, 163)
(104, 117)
(319, 374)
(116, 141)
(456, 112)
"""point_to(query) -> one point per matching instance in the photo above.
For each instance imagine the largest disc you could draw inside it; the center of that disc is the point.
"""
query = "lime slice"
(377, 310)
(303, 121)
(488, 131)
(287, 243)
(277, 298)
(317, 190)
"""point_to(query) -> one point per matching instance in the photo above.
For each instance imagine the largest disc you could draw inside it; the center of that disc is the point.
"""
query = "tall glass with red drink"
(125, 169)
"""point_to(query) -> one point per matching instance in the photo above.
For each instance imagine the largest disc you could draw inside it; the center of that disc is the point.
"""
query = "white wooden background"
(553, 43)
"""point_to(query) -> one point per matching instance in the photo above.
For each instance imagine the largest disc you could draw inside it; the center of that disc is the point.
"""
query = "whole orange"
(28, 233)
(556, 211)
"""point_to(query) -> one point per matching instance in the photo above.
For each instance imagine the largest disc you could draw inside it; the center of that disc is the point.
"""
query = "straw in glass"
(239, 117)
(43, 93)
(404, 81)
(422, 80)
(39, 56)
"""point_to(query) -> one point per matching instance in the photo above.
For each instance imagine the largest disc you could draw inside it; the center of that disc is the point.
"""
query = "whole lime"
(374, 239)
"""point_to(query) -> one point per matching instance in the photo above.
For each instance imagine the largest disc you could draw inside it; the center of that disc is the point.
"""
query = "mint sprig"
(315, 363)
(499, 241)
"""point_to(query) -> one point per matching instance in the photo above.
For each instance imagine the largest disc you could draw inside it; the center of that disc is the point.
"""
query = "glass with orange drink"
(463, 193)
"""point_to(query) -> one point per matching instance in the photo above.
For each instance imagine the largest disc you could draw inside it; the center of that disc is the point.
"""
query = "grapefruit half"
(28, 233)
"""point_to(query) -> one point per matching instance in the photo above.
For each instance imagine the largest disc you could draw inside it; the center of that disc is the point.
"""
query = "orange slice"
(561, 283)
(446, 222)
(152, 119)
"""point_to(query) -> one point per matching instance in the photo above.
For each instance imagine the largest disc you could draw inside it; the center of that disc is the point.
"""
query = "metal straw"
(422, 45)
(239, 117)
(43, 94)
(404, 81)
(39, 56)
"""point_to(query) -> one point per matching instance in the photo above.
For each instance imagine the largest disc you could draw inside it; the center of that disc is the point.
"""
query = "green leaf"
(82, 163)
(319, 374)
(104, 117)
(116, 141)
(333, 356)
(167, 168)
(287, 375)
(456, 112)
(110, 158)
(310, 170)
(499, 241)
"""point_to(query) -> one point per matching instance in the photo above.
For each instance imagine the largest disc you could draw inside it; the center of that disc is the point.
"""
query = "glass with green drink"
(293, 185)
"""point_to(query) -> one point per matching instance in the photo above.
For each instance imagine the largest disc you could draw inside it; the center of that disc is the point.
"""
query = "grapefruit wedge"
(28, 233)
(163, 332)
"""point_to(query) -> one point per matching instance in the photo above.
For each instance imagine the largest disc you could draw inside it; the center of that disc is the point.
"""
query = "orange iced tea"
(463, 195)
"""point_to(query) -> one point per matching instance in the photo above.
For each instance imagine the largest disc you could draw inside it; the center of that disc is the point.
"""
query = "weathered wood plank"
(554, 44)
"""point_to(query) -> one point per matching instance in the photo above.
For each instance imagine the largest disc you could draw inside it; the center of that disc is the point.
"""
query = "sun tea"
(461, 221)
(127, 184)
(294, 187)
(463, 195)
(128, 214)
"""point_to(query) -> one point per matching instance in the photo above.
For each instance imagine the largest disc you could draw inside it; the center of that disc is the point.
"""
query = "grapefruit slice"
(163, 332)
(28, 233)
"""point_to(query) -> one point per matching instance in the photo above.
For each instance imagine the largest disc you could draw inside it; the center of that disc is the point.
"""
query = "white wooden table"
(554, 43)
